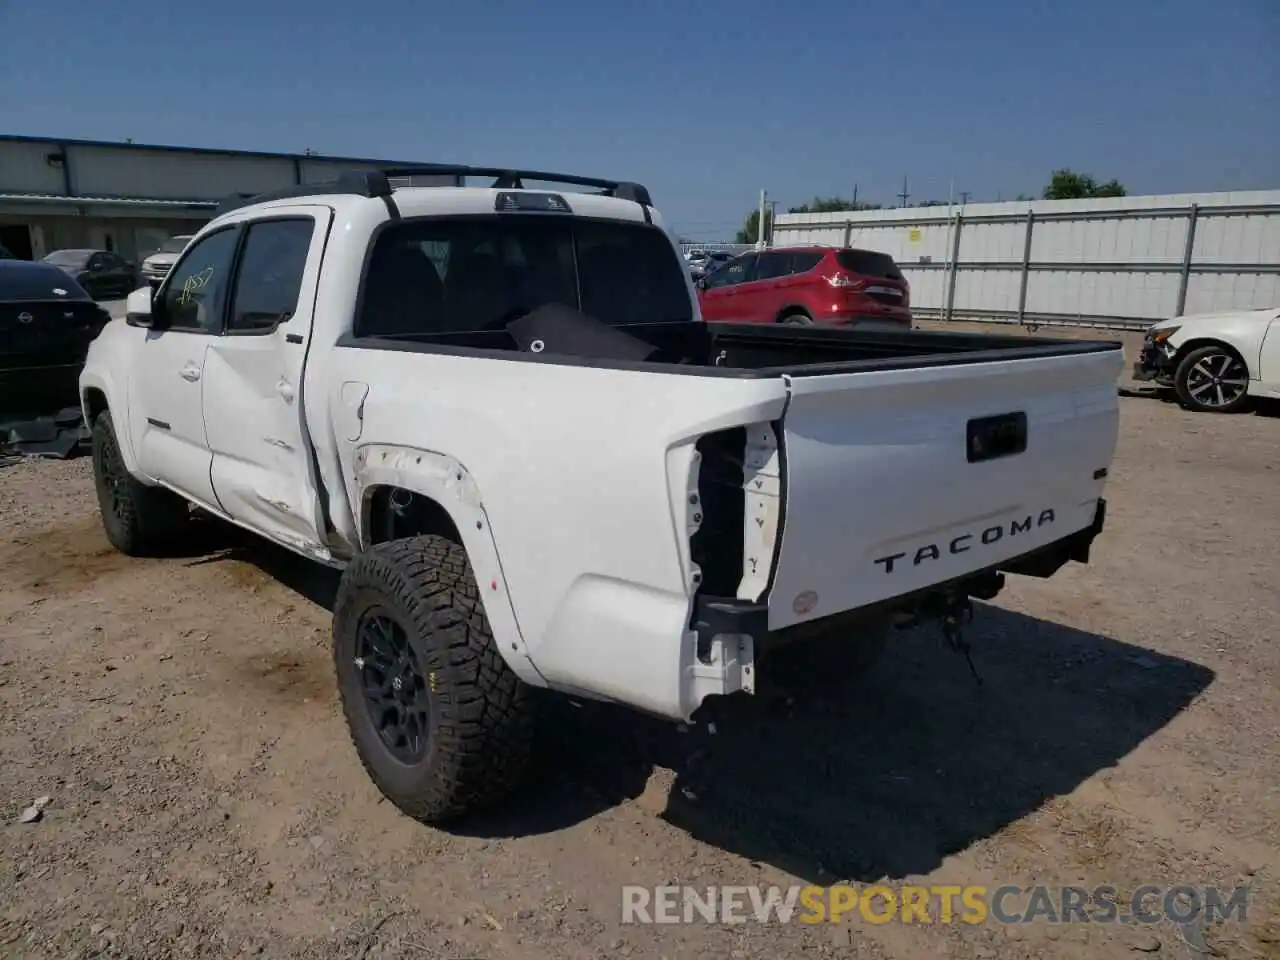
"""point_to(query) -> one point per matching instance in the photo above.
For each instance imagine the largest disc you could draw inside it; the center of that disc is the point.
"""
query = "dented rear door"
(897, 480)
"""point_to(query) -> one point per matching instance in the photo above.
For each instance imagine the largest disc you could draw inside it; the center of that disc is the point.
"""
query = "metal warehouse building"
(126, 197)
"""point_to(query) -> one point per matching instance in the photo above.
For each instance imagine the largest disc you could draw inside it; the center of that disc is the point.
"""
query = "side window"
(772, 265)
(742, 270)
(805, 261)
(270, 274)
(96, 262)
(437, 252)
(196, 291)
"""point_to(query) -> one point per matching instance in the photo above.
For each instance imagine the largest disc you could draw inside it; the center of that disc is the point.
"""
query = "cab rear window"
(465, 274)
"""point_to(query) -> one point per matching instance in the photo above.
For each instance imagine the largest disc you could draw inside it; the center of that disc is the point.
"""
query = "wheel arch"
(403, 491)
(1185, 353)
(98, 395)
(791, 308)
(1195, 343)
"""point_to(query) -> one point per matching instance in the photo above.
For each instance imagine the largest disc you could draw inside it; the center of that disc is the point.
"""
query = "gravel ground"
(181, 716)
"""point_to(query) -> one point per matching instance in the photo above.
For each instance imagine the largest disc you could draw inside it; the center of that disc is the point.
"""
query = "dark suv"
(804, 285)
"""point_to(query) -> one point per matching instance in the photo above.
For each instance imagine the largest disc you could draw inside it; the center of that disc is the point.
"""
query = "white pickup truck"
(498, 410)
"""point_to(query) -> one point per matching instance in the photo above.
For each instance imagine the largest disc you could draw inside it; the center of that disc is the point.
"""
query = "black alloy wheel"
(395, 688)
(1212, 379)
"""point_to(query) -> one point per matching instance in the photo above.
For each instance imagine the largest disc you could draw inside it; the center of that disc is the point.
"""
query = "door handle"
(190, 373)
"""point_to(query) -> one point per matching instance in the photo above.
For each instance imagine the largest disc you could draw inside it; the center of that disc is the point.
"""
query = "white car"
(156, 266)
(1214, 362)
(498, 411)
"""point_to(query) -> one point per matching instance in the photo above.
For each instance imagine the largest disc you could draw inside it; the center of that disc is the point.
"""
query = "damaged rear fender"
(448, 484)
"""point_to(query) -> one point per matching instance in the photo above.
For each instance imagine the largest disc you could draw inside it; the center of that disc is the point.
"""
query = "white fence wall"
(1120, 262)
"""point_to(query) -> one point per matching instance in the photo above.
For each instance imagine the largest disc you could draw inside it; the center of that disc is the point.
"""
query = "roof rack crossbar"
(377, 183)
(510, 178)
(356, 183)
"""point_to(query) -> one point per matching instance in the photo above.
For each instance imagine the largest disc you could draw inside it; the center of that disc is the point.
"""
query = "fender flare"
(447, 482)
(103, 383)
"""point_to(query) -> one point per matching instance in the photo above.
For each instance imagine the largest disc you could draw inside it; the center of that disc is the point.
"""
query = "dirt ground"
(181, 716)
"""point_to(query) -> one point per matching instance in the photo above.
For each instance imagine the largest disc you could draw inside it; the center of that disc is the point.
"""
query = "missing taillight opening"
(739, 493)
(717, 546)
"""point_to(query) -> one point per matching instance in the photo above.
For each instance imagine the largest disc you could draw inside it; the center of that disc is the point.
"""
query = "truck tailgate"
(897, 480)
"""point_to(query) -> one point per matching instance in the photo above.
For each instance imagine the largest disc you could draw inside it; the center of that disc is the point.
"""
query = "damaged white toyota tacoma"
(497, 409)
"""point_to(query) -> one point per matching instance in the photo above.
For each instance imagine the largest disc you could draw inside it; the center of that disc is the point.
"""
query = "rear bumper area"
(718, 618)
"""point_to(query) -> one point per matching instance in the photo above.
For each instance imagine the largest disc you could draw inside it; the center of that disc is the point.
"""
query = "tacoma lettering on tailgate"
(967, 541)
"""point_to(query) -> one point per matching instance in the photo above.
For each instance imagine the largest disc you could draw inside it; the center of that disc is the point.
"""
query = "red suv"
(804, 285)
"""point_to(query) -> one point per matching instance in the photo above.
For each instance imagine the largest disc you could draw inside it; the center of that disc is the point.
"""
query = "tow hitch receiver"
(958, 615)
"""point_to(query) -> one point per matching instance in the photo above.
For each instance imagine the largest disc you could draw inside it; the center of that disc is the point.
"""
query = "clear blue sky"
(704, 101)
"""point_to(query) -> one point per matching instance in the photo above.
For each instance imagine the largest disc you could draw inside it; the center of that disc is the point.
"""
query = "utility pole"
(964, 197)
(855, 196)
(764, 199)
(904, 194)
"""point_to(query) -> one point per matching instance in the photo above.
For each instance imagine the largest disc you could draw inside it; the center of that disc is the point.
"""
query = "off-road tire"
(481, 715)
(796, 318)
(1182, 385)
(138, 520)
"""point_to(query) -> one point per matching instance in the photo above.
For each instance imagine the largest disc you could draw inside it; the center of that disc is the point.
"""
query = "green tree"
(1067, 184)
(750, 232)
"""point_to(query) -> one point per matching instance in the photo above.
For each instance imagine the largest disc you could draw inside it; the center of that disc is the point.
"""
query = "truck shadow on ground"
(215, 543)
(1260, 406)
(833, 776)
(829, 775)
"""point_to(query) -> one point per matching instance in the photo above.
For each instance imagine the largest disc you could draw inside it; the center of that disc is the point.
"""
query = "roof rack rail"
(350, 182)
(377, 183)
(512, 178)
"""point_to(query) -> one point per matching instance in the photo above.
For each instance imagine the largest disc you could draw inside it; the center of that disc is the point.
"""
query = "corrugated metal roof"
(208, 151)
(102, 201)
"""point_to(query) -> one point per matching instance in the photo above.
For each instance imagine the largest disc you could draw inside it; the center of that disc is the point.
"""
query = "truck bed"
(758, 350)
(836, 471)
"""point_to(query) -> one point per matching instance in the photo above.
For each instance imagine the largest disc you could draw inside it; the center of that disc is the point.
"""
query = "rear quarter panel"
(580, 474)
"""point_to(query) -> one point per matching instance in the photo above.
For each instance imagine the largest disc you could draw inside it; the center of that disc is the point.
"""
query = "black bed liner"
(754, 351)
